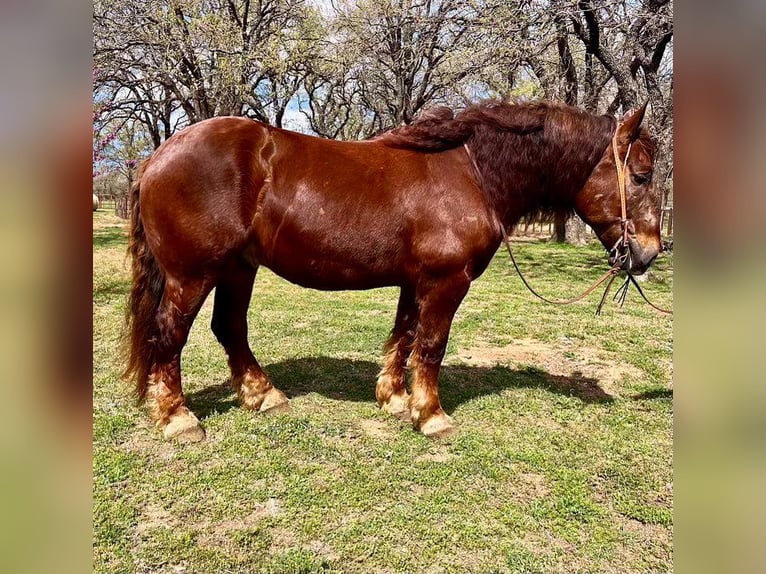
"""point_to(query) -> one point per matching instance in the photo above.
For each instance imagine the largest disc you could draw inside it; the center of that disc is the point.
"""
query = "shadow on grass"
(354, 380)
(110, 237)
(654, 394)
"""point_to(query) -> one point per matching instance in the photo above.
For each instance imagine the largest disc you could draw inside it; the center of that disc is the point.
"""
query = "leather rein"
(620, 250)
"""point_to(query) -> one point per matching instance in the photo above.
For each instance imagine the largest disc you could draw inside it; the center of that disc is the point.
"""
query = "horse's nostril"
(642, 260)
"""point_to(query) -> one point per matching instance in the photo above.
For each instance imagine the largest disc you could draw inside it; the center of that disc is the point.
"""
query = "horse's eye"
(642, 178)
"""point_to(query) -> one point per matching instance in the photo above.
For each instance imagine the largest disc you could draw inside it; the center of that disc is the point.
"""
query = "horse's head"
(633, 242)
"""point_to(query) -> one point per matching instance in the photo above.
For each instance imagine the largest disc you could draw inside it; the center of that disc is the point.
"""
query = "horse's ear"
(630, 125)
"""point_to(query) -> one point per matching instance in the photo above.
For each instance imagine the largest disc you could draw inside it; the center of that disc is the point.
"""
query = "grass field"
(562, 461)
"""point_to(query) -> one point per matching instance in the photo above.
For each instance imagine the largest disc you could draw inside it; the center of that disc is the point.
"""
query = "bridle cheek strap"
(622, 172)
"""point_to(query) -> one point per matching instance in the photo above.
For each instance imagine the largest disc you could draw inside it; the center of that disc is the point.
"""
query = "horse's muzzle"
(640, 257)
(636, 260)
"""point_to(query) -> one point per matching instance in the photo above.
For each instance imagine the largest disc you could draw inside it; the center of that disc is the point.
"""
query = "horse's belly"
(330, 261)
(319, 272)
(328, 239)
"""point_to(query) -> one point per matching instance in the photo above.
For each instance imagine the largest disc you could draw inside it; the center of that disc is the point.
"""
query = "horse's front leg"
(391, 390)
(438, 298)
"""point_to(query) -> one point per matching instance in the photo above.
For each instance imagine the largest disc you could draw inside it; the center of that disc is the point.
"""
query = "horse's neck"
(522, 182)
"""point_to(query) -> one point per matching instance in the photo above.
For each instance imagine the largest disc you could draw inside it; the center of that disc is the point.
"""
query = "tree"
(631, 41)
(604, 57)
(357, 67)
(174, 62)
(386, 60)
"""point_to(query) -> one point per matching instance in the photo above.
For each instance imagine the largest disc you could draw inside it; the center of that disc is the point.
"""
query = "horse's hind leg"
(180, 304)
(232, 298)
(390, 390)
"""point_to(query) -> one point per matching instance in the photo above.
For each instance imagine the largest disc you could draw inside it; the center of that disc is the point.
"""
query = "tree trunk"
(560, 228)
(576, 234)
(569, 229)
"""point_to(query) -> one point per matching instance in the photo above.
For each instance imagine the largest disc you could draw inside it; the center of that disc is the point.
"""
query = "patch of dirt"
(663, 497)
(438, 454)
(282, 539)
(562, 361)
(645, 531)
(147, 439)
(210, 533)
(532, 485)
(154, 516)
(217, 534)
(547, 544)
(269, 509)
(375, 429)
(322, 549)
(641, 541)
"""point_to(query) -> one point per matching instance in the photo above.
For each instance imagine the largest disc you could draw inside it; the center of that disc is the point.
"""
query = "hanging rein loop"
(620, 252)
(611, 273)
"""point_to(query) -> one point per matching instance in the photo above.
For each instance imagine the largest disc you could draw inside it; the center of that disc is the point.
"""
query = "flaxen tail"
(148, 285)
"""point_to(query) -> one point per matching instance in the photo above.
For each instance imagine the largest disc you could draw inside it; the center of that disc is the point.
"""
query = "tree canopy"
(347, 69)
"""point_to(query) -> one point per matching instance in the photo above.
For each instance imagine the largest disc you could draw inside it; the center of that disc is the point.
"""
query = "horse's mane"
(441, 128)
(533, 156)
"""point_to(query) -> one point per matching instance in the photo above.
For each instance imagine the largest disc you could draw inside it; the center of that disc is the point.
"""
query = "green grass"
(562, 461)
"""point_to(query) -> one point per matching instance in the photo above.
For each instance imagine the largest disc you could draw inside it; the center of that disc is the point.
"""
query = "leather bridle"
(619, 253)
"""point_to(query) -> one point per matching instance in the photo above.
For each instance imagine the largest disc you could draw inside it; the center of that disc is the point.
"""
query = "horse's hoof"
(439, 426)
(275, 402)
(184, 428)
(398, 406)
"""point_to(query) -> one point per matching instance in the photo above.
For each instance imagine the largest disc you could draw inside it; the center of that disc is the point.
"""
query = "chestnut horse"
(420, 207)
